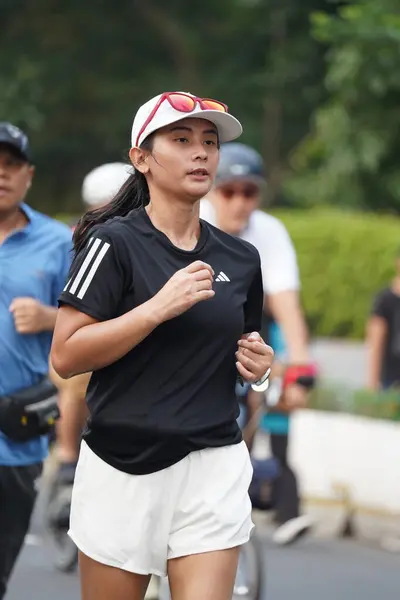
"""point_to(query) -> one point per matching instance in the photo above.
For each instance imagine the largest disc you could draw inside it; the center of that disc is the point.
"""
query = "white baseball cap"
(101, 184)
(229, 128)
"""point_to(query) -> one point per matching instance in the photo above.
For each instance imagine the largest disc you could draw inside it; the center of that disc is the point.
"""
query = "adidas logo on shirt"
(222, 277)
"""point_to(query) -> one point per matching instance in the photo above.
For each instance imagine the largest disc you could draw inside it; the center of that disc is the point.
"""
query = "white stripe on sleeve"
(93, 270)
(67, 284)
(85, 265)
(69, 280)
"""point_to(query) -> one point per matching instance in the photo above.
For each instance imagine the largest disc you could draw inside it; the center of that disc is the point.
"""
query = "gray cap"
(238, 161)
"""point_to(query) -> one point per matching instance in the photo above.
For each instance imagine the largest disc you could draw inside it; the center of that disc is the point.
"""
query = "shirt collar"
(30, 215)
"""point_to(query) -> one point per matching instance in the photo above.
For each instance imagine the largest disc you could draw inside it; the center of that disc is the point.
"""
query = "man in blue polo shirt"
(34, 262)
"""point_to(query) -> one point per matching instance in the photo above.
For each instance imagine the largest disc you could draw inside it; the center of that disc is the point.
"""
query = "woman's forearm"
(98, 345)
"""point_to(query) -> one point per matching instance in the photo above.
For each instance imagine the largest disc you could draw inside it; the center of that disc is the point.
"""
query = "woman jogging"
(165, 310)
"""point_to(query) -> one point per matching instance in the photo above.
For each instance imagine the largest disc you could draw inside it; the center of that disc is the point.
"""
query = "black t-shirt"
(387, 306)
(175, 391)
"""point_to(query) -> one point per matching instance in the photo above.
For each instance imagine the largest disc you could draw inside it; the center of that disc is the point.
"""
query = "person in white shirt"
(233, 206)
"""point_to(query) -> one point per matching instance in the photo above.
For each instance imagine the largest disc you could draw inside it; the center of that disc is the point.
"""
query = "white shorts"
(139, 522)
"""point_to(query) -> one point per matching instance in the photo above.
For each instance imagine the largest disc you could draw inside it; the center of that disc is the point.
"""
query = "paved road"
(312, 570)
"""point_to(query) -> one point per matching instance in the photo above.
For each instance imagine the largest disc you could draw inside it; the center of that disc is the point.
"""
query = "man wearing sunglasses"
(233, 206)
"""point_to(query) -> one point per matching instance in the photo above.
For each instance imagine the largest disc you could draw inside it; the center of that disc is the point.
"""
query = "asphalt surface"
(311, 570)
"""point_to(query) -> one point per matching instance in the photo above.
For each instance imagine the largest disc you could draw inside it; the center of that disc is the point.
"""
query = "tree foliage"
(73, 73)
(351, 156)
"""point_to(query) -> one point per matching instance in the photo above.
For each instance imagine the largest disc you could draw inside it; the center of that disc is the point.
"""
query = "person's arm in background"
(376, 336)
(375, 339)
(281, 286)
(286, 309)
(32, 316)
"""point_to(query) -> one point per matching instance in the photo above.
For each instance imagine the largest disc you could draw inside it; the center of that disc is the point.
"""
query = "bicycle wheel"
(250, 573)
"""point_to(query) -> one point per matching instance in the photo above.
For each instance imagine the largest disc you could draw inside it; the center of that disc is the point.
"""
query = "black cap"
(13, 136)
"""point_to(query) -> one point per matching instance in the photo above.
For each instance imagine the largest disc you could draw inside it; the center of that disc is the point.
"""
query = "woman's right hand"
(186, 288)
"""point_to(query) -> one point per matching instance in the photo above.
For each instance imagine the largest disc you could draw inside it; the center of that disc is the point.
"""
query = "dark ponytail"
(133, 194)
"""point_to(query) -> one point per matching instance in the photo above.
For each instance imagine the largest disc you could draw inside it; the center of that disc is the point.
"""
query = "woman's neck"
(178, 220)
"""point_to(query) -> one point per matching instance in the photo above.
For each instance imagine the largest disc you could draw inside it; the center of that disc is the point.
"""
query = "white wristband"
(262, 384)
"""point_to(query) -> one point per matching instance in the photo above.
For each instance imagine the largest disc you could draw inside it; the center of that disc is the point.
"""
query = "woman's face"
(184, 158)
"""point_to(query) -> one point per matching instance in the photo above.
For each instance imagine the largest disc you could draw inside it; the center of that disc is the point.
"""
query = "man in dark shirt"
(383, 337)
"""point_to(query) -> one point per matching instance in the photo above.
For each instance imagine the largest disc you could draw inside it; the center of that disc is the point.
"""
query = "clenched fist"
(186, 288)
(30, 316)
(254, 357)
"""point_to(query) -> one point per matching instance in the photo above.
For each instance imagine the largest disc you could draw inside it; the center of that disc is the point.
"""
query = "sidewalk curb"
(340, 518)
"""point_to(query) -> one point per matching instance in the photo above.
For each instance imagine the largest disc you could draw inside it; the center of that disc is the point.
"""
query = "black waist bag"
(29, 413)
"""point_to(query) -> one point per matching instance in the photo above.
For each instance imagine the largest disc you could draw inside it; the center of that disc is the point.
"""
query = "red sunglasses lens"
(182, 103)
(214, 105)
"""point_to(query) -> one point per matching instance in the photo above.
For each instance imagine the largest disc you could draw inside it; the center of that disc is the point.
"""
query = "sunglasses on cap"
(183, 103)
(248, 191)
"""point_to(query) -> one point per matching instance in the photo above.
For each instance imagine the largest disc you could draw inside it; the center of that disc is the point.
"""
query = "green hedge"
(334, 398)
(344, 259)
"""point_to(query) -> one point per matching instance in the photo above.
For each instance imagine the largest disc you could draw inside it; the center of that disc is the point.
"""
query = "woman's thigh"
(206, 576)
(101, 582)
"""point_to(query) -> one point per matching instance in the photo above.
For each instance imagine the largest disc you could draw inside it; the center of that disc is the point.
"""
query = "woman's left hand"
(254, 357)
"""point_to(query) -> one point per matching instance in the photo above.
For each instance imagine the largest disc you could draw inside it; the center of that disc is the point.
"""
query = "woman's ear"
(139, 159)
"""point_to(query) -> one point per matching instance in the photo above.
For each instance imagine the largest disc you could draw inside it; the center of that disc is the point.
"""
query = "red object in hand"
(302, 374)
